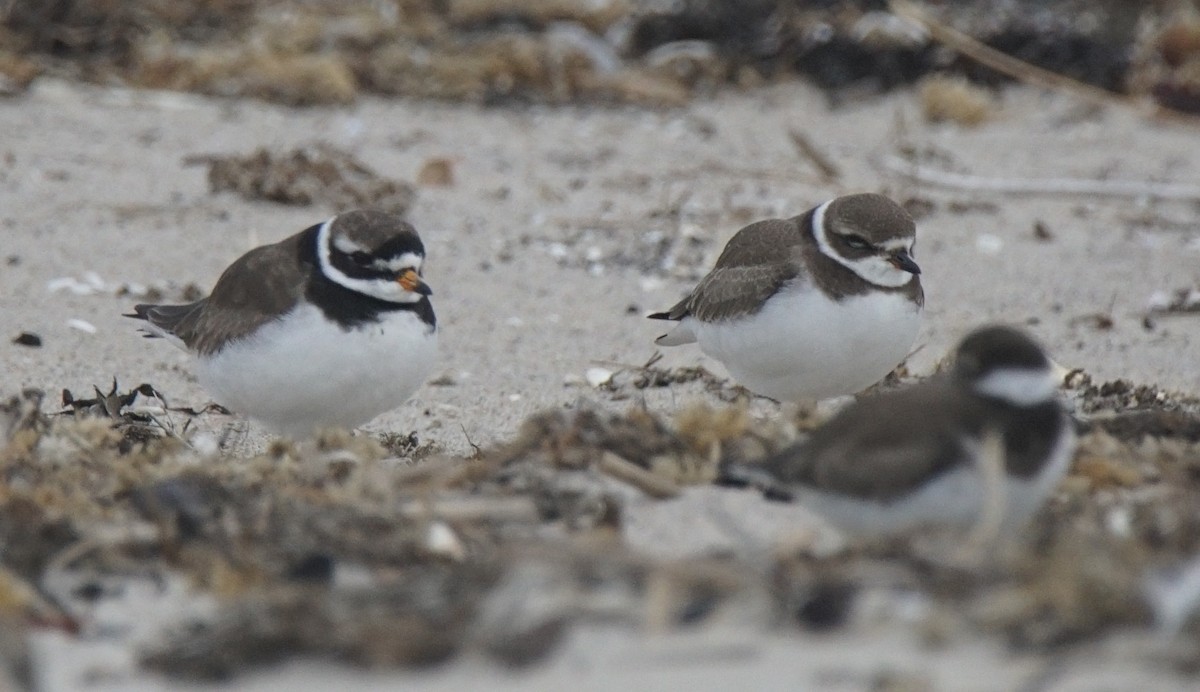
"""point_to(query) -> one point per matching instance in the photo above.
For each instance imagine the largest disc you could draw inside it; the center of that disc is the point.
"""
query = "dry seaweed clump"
(328, 549)
(654, 52)
(1120, 396)
(16, 73)
(318, 174)
(642, 449)
(955, 100)
(1168, 65)
(294, 80)
(335, 549)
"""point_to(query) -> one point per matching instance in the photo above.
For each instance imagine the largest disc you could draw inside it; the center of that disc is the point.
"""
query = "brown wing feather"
(754, 265)
(881, 448)
(263, 283)
(763, 242)
(732, 292)
(166, 317)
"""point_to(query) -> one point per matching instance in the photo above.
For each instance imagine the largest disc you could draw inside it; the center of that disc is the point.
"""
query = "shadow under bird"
(894, 462)
(329, 327)
(820, 305)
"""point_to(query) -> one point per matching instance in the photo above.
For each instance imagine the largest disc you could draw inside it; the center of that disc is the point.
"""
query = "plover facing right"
(820, 305)
(329, 327)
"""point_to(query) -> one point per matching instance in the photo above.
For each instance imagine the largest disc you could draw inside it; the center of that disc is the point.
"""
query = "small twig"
(707, 169)
(617, 365)
(1023, 71)
(805, 146)
(648, 482)
(21, 593)
(472, 509)
(478, 450)
(1041, 186)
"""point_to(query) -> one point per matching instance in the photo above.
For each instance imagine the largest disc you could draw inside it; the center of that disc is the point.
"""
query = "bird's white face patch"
(1019, 386)
(876, 269)
(345, 245)
(383, 289)
(409, 260)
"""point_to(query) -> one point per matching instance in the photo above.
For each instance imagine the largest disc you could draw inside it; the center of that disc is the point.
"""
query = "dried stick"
(1041, 186)
(998, 61)
(805, 146)
(471, 509)
(648, 482)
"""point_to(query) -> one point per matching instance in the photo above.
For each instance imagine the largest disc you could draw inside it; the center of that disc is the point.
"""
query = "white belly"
(804, 346)
(304, 372)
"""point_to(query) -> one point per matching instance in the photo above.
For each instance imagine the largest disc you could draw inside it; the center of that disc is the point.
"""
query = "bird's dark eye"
(361, 258)
(856, 241)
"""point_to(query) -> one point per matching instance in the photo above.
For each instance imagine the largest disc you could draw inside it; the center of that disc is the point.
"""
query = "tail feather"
(734, 475)
(164, 317)
(682, 334)
(163, 321)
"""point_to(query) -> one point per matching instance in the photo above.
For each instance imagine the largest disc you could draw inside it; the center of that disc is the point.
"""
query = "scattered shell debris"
(1180, 302)
(91, 283)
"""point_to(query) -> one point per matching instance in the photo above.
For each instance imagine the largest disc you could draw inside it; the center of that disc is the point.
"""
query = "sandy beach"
(561, 229)
(530, 249)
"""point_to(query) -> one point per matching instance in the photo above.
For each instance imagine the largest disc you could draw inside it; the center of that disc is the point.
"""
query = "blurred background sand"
(548, 247)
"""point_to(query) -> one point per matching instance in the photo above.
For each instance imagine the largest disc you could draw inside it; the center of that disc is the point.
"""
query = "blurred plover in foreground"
(329, 327)
(991, 433)
(820, 305)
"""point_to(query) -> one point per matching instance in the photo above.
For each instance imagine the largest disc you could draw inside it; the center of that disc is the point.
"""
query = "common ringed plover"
(919, 456)
(820, 305)
(329, 327)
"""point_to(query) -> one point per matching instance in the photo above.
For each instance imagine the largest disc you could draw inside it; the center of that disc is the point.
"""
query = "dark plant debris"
(343, 548)
(1120, 396)
(28, 339)
(318, 174)
(639, 51)
(112, 404)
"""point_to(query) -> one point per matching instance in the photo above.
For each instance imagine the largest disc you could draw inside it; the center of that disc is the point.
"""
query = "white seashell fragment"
(598, 377)
(82, 325)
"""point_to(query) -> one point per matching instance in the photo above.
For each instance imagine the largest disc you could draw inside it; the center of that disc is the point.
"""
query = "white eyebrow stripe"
(344, 244)
(897, 244)
(1019, 386)
(409, 260)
